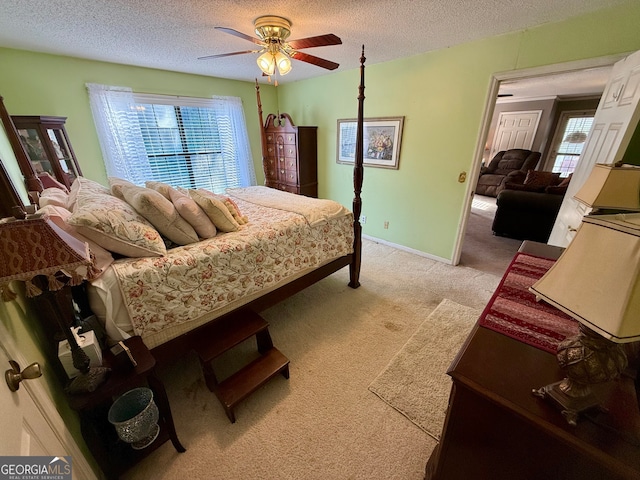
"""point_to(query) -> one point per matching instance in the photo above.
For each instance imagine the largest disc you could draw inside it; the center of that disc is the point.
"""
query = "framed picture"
(381, 143)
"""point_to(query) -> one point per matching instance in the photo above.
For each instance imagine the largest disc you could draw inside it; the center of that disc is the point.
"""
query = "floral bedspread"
(193, 281)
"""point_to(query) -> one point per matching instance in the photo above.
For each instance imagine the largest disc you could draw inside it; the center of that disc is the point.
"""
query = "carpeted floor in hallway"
(481, 249)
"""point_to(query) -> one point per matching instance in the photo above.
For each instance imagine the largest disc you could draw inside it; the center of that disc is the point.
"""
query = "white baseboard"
(407, 249)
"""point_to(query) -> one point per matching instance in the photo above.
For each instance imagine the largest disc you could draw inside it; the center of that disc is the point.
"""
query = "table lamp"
(596, 280)
(34, 249)
(611, 187)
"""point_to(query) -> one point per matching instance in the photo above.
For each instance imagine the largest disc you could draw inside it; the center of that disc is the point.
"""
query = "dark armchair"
(507, 166)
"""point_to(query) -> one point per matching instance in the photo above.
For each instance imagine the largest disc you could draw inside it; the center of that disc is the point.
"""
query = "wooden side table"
(112, 454)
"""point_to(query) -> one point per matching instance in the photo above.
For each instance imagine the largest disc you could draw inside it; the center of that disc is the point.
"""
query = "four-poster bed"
(284, 285)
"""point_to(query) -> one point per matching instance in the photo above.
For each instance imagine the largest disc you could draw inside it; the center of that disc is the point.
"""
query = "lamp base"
(571, 406)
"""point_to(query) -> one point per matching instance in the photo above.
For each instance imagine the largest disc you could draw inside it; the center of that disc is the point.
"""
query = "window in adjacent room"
(182, 141)
(569, 140)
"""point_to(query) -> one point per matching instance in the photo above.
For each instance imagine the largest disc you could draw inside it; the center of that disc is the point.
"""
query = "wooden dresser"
(496, 429)
(291, 156)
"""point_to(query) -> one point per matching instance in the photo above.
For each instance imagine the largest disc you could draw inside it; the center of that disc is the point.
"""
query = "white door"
(515, 130)
(31, 426)
(613, 126)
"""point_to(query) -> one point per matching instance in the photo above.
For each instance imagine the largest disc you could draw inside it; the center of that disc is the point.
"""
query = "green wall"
(441, 94)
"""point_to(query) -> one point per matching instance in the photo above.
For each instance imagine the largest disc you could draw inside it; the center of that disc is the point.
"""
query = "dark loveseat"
(510, 166)
(528, 211)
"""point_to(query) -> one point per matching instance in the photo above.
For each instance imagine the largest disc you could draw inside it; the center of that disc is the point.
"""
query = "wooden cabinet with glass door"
(47, 145)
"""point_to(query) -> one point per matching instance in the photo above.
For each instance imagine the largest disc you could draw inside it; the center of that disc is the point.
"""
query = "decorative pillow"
(215, 210)
(53, 196)
(48, 181)
(192, 213)
(163, 188)
(235, 211)
(114, 225)
(539, 179)
(160, 212)
(230, 204)
(59, 215)
(116, 185)
(84, 186)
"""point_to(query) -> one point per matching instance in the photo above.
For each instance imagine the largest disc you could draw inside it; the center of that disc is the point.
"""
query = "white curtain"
(120, 134)
(234, 137)
(114, 114)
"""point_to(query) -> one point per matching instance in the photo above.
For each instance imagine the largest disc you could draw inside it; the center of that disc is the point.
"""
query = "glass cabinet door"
(63, 153)
(35, 149)
(50, 154)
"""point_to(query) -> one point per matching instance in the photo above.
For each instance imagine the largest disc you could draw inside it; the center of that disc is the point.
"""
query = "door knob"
(15, 376)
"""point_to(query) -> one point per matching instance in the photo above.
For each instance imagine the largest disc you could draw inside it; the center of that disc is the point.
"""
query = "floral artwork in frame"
(381, 142)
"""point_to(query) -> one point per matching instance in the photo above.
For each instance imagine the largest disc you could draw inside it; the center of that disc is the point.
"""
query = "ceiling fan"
(275, 50)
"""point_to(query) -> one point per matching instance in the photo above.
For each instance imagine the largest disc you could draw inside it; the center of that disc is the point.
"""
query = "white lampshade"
(611, 187)
(283, 63)
(267, 63)
(596, 279)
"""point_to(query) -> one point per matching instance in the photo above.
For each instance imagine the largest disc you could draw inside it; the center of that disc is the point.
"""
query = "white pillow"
(161, 213)
(192, 213)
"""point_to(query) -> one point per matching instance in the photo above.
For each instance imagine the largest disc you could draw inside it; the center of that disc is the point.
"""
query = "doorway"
(574, 79)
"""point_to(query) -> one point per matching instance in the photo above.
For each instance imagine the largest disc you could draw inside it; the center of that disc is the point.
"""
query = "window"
(182, 141)
(570, 139)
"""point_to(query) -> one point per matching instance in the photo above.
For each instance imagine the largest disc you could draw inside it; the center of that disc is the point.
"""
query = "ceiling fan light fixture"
(267, 63)
(283, 63)
(275, 52)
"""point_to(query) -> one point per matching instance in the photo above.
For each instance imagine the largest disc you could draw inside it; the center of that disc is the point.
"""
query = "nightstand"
(112, 454)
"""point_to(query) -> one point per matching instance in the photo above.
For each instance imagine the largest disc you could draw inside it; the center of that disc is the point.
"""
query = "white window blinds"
(575, 129)
(187, 142)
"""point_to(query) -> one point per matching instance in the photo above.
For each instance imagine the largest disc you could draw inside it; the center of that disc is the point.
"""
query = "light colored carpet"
(415, 382)
(322, 423)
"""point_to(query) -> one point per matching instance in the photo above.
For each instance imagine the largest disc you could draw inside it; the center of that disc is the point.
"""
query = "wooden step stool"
(227, 333)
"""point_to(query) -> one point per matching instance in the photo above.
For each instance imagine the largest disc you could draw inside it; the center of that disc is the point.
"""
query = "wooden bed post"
(358, 177)
(263, 135)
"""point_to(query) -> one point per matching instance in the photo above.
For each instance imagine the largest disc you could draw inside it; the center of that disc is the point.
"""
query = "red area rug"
(514, 311)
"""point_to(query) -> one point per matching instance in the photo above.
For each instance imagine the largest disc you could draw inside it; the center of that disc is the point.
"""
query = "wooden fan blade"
(320, 62)
(236, 33)
(227, 54)
(319, 41)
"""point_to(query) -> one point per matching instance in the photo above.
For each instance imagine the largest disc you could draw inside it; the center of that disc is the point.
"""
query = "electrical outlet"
(386, 224)
(363, 219)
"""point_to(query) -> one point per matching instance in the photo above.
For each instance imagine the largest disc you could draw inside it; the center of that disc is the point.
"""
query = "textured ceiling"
(172, 34)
